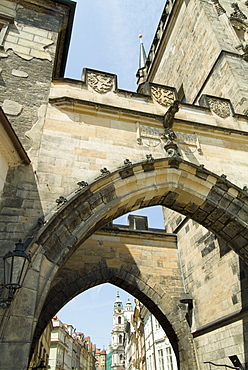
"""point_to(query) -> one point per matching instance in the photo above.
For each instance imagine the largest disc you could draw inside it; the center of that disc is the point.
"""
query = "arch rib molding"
(191, 190)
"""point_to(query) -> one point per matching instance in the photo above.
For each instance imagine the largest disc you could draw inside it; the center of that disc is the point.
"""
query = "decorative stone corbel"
(126, 170)
(169, 135)
(163, 95)
(222, 107)
(219, 9)
(82, 184)
(237, 14)
(170, 147)
(148, 165)
(104, 172)
(100, 82)
(61, 200)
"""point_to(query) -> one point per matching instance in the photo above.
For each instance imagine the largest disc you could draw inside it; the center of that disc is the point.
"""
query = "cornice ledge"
(64, 101)
(209, 127)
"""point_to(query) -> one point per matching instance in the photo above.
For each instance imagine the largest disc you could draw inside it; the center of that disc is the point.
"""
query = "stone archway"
(186, 188)
(106, 258)
(201, 195)
(211, 200)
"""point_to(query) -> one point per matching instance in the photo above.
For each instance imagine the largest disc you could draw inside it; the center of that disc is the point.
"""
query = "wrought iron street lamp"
(15, 267)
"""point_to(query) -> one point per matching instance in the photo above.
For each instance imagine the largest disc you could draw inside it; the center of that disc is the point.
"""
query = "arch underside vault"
(191, 190)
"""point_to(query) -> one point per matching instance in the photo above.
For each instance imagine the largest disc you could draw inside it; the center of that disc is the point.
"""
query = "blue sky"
(105, 37)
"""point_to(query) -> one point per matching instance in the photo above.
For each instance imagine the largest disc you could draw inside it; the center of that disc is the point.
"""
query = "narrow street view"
(137, 341)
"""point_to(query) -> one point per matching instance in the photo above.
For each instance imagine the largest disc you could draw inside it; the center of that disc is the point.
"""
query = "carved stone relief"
(100, 83)
(162, 95)
(148, 136)
(189, 143)
(170, 139)
(239, 22)
(238, 14)
(220, 107)
(151, 137)
(219, 9)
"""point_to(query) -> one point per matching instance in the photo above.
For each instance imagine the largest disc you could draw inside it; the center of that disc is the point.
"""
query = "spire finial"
(118, 302)
(142, 58)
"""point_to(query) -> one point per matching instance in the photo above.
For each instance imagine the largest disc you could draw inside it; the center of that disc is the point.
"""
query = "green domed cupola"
(118, 302)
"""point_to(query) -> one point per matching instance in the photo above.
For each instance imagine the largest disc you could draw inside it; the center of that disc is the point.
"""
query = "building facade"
(146, 344)
(109, 358)
(70, 350)
(120, 316)
(158, 351)
(42, 350)
(100, 359)
(135, 353)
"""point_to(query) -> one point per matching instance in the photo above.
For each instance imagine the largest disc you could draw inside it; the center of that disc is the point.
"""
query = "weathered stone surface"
(18, 73)
(12, 108)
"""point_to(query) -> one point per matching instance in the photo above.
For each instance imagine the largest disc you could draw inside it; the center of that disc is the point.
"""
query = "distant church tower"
(120, 315)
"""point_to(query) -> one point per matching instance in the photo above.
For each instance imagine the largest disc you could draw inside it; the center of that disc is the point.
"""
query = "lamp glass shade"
(15, 267)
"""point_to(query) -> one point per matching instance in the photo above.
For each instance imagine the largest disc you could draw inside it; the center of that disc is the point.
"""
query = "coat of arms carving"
(220, 107)
(148, 136)
(100, 83)
(152, 137)
(188, 142)
(162, 95)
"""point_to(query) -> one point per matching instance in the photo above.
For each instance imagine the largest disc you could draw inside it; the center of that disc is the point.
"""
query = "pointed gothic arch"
(211, 200)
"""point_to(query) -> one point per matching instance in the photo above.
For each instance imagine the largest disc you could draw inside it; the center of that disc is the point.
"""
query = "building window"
(120, 339)
(157, 325)
(121, 358)
(169, 361)
(119, 319)
(161, 359)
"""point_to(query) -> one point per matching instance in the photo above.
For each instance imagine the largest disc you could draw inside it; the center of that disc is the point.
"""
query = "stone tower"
(120, 315)
(200, 48)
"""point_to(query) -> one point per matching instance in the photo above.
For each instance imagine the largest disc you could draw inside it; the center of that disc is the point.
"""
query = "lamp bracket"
(5, 302)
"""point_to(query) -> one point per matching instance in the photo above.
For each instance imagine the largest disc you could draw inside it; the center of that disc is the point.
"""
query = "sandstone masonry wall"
(27, 58)
(204, 39)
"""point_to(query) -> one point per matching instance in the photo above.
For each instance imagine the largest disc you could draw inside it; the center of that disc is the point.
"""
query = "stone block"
(40, 54)
(13, 355)
(19, 49)
(18, 73)
(42, 40)
(12, 39)
(24, 35)
(36, 31)
(11, 107)
(232, 229)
